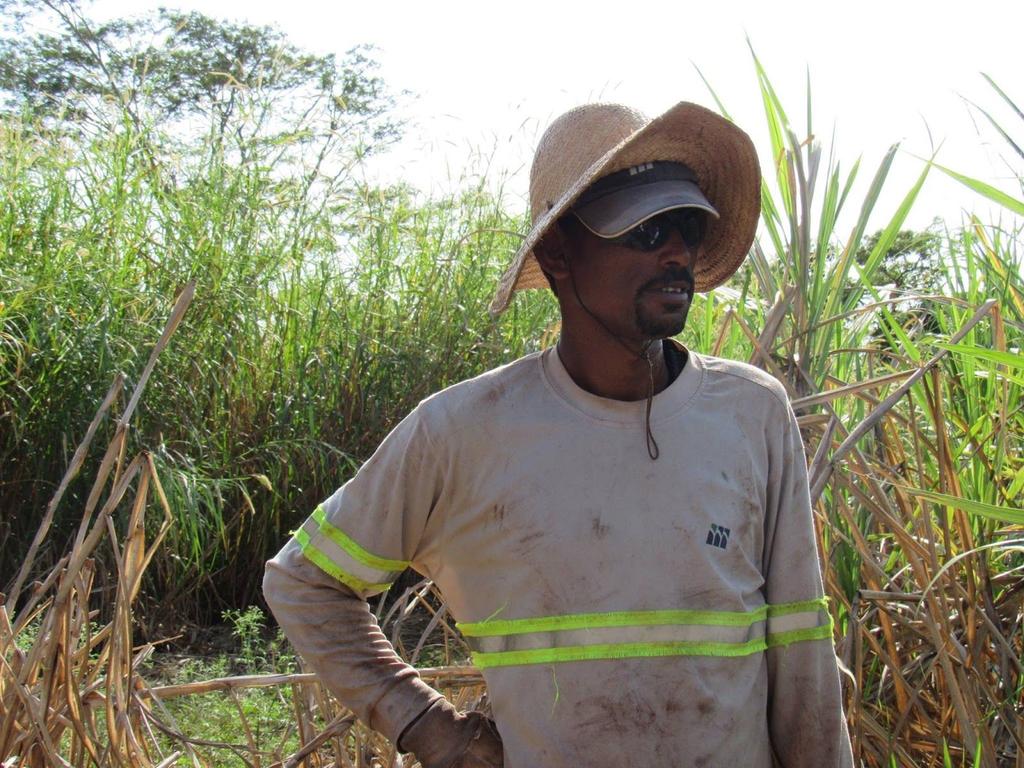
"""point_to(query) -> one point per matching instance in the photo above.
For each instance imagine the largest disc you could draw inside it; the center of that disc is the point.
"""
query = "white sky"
(489, 78)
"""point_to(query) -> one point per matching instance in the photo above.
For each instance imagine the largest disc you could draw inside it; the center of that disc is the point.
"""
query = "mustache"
(670, 276)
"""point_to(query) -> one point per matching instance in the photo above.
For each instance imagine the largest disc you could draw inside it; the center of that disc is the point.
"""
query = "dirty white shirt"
(624, 611)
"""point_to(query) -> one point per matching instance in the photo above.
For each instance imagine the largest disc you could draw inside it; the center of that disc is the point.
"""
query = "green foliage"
(910, 264)
(258, 651)
(947, 759)
(247, 627)
(799, 259)
(320, 299)
(227, 721)
(325, 311)
(1014, 139)
(169, 65)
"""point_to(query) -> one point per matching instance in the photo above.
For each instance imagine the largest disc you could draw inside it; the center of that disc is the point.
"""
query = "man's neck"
(606, 368)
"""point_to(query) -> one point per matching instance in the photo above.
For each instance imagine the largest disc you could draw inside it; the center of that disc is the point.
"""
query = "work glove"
(443, 737)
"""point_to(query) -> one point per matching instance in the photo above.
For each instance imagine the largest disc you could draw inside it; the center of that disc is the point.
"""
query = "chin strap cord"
(652, 445)
(644, 354)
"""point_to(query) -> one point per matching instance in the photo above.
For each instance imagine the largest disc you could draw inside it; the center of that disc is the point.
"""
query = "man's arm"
(336, 634)
(355, 545)
(805, 710)
(334, 631)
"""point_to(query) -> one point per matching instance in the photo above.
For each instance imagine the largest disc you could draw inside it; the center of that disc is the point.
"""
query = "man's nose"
(676, 252)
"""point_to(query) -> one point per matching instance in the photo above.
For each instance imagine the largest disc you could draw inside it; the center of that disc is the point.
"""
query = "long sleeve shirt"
(623, 611)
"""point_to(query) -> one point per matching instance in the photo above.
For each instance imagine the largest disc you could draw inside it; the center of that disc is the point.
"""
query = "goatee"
(661, 327)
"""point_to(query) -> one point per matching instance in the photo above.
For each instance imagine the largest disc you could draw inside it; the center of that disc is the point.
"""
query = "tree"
(910, 267)
(162, 149)
(911, 264)
(170, 66)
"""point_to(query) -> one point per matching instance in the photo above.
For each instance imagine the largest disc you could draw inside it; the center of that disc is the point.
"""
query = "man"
(620, 526)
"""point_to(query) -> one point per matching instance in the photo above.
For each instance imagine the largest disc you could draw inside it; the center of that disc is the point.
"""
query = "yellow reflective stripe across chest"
(336, 553)
(639, 634)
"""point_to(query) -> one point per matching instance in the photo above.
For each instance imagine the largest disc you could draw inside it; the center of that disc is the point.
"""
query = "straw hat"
(592, 141)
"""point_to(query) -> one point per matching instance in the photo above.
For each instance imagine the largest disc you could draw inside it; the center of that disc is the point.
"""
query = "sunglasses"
(652, 234)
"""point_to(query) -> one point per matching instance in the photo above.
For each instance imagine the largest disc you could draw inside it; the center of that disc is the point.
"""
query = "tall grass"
(911, 408)
(74, 688)
(323, 314)
(326, 309)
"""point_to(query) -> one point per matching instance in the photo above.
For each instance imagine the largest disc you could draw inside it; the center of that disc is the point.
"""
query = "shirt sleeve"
(375, 525)
(353, 546)
(805, 710)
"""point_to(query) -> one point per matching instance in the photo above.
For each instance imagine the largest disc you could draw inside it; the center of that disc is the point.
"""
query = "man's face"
(639, 295)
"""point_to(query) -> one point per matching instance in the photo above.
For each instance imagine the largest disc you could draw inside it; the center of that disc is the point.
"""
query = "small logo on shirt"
(718, 536)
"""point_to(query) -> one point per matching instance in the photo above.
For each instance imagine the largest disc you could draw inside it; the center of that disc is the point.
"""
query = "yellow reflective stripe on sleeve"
(336, 553)
(325, 564)
(639, 634)
(353, 549)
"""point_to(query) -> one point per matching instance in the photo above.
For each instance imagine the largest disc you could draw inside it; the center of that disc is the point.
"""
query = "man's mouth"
(677, 289)
(674, 288)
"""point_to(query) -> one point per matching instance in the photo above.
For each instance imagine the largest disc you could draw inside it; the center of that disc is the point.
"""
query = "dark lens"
(652, 233)
(691, 223)
(648, 235)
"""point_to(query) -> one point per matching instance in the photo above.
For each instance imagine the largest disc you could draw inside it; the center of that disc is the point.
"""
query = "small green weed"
(238, 721)
(247, 627)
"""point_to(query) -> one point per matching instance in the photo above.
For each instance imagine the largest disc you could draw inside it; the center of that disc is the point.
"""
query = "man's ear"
(551, 252)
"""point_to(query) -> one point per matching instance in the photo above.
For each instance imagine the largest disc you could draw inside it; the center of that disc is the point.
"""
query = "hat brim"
(618, 212)
(724, 161)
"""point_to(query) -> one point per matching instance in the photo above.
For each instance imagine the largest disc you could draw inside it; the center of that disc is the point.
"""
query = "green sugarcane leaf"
(892, 229)
(1017, 485)
(1006, 98)
(980, 508)
(1010, 359)
(986, 190)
